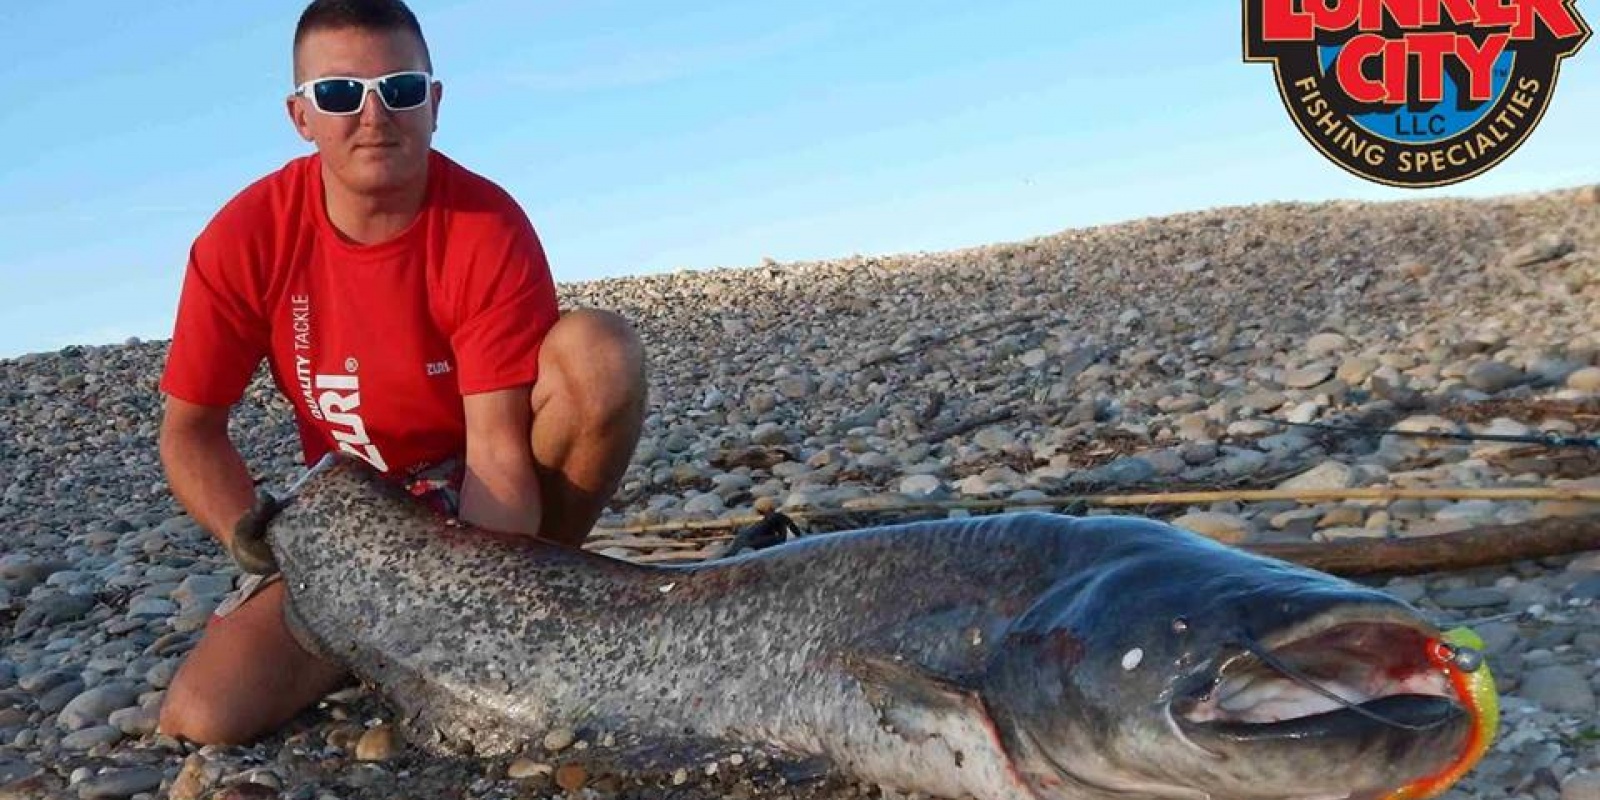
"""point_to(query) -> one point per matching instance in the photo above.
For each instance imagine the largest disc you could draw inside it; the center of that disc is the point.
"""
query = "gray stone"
(95, 705)
(1407, 590)
(769, 433)
(53, 701)
(1559, 688)
(795, 387)
(1326, 344)
(199, 587)
(1242, 464)
(41, 681)
(1585, 380)
(1498, 636)
(24, 572)
(90, 738)
(152, 607)
(11, 771)
(120, 783)
(921, 486)
(1225, 528)
(993, 438)
(1121, 472)
(1356, 370)
(1327, 475)
(707, 503)
(1581, 786)
(1484, 597)
(1548, 247)
(1493, 376)
(1587, 589)
(1307, 377)
(52, 609)
(136, 721)
(1263, 401)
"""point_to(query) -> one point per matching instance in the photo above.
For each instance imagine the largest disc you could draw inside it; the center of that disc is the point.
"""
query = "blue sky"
(646, 136)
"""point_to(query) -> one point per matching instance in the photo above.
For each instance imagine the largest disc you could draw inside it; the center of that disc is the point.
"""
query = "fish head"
(1177, 667)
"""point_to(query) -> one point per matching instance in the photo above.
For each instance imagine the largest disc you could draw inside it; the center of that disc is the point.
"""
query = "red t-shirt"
(374, 344)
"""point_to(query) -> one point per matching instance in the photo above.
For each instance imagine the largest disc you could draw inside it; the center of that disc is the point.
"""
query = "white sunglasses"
(343, 96)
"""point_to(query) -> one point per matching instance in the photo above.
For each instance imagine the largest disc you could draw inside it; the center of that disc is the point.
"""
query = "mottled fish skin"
(936, 657)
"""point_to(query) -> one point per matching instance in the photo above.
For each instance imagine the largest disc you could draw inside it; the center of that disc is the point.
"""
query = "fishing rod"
(1546, 439)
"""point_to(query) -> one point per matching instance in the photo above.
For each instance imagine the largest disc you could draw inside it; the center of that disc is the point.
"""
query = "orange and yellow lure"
(1459, 653)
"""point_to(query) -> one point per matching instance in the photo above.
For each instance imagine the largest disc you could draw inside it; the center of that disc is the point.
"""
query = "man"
(407, 311)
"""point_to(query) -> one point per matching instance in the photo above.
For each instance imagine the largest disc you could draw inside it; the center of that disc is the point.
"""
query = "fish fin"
(910, 700)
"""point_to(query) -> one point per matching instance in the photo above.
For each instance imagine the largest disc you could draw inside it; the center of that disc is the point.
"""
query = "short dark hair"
(371, 15)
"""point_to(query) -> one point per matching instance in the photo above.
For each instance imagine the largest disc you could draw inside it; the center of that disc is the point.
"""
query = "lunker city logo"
(1414, 92)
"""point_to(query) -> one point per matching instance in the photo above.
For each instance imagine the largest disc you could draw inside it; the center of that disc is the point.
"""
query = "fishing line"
(1301, 678)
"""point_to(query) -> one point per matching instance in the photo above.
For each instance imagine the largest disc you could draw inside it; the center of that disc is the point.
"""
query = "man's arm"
(204, 468)
(501, 488)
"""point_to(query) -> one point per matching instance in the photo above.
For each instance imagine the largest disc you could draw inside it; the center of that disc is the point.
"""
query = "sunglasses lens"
(405, 91)
(337, 95)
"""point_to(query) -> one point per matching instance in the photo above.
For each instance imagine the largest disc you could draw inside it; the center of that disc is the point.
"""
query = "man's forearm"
(501, 494)
(209, 477)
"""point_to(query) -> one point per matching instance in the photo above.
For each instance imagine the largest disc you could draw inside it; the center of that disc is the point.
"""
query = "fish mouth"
(1332, 678)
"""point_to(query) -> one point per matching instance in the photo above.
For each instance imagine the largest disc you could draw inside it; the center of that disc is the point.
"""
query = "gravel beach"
(1151, 355)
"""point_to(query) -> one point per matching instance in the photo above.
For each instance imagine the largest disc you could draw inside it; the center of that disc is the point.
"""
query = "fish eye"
(1180, 625)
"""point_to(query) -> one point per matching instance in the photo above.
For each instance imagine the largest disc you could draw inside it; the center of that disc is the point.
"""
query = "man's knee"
(192, 714)
(599, 357)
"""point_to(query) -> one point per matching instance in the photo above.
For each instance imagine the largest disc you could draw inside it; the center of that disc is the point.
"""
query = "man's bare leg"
(246, 677)
(588, 414)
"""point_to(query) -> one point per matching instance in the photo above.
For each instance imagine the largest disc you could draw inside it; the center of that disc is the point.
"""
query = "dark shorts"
(437, 486)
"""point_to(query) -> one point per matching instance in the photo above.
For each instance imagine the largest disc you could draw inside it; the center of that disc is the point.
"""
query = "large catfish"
(1011, 656)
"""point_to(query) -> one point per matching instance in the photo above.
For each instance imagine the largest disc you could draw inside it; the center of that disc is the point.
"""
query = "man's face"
(378, 150)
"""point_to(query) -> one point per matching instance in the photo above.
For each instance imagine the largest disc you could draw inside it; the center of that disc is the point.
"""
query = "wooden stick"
(1364, 493)
(1479, 547)
(1147, 499)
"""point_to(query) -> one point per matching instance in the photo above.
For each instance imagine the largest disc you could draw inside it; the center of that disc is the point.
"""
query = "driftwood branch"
(1076, 363)
(1479, 547)
(969, 424)
(939, 340)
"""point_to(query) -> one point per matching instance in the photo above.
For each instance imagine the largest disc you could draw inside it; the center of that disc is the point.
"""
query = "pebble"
(377, 744)
(53, 701)
(89, 738)
(95, 705)
(571, 777)
(1586, 379)
(1307, 377)
(1493, 376)
(1327, 475)
(558, 739)
(1225, 528)
(1471, 598)
(1559, 688)
(1581, 786)
(528, 768)
(193, 779)
(119, 783)
(1326, 344)
(134, 721)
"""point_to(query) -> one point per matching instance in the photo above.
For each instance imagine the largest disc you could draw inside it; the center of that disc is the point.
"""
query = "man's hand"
(501, 488)
(249, 543)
